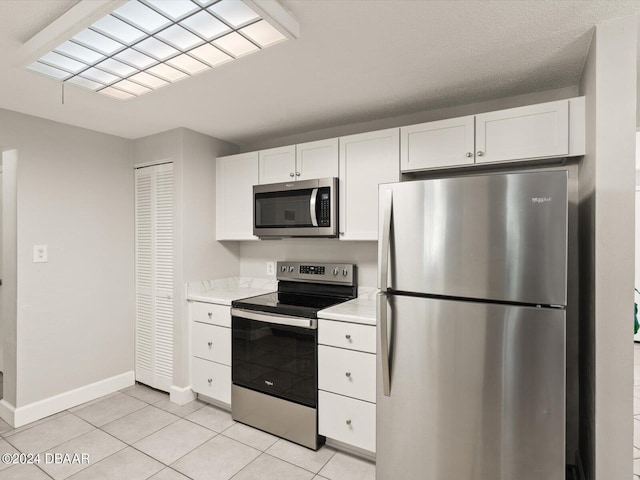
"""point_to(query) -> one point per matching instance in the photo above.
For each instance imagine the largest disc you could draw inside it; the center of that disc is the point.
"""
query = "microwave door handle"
(312, 207)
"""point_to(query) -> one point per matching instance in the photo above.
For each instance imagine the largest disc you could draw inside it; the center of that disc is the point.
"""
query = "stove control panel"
(340, 273)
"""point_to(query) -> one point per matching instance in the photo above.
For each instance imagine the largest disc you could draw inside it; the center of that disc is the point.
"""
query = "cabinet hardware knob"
(291, 174)
(210, 343)
(469, 155)
(210, 380)
(297, 174)
(348, 374)
(210, 314)
(347, 336)
(348, 422)
(480, 153)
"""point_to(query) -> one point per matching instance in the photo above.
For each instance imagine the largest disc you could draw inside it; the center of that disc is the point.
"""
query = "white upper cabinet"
(534, 131)
(317, 159)
(235, 177)
(366, 160)
(445, 143)
(545, 130)
(277, 164)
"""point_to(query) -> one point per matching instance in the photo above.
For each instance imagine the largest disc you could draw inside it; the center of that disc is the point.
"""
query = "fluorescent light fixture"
(235, 44)
(126, 48)
(233, 12)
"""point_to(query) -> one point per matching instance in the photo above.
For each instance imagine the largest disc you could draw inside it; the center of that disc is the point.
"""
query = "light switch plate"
(39, 253)
(271, 268)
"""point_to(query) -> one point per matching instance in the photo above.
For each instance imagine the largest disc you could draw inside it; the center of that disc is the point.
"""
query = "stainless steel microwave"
(306, 208)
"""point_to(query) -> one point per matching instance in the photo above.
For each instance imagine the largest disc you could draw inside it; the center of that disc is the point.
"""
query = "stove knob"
(344, 272)
(291, 269)
(334, 271)
(283, 268)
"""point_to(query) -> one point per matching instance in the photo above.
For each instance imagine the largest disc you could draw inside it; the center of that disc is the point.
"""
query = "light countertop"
(226, 290)
(359, 310)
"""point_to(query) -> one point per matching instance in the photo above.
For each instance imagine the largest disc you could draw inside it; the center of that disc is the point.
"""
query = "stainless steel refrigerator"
(471, 328)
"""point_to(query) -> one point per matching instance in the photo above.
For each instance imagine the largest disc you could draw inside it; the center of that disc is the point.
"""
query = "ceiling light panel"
(187, 64)
(210, 55)
(79, 52)
(147, 44)
(98, 42)
(234, 12)
(235, 44)
(118, 30)
(263, 33)
(168, 73)
(141, 16)
(174, 9)
(205, 25)
(115, 93)
(64, 63)
(156, 48)
(149, 80)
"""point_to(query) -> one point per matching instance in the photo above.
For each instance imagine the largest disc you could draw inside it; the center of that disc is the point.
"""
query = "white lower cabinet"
(347, 420)
(211, 379)
(347, 383)
(211, 350)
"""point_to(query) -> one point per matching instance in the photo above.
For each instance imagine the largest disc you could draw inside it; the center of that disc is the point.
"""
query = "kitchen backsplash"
(254, 255)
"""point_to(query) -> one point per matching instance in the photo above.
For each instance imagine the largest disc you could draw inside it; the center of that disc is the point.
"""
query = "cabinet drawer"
(347, 420)
(211, 313)
(347, 335)
(211, 379)
(347, 372)
(211, 342)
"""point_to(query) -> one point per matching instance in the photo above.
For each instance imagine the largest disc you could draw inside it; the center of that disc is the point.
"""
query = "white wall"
(74, 321)
(197, 256)
(606, 215)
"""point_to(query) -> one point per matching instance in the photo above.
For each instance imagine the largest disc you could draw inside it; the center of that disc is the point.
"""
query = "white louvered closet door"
(154, 276)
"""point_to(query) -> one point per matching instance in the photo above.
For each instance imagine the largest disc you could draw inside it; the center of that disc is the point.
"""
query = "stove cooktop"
(293, 304)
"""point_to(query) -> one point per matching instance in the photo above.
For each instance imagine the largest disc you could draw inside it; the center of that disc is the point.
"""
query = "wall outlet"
(39, 253)
(271, 268)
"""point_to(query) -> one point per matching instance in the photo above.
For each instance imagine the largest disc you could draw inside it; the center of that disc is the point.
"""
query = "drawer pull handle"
(210, 314)
(210, 344)
(348, 422)
(480, 153)
(347, 336)
(348, 374)
(210, 380)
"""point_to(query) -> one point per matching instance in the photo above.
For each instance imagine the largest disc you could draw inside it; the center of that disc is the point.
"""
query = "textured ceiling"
(355, 60)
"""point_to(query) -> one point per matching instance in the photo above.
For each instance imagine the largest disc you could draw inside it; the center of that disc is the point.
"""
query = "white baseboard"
(7, 412)
(43, 408)
(357, 451)
(181, 395)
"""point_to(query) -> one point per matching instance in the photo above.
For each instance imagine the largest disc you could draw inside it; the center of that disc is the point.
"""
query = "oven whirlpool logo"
(268, 383)
(540, 200)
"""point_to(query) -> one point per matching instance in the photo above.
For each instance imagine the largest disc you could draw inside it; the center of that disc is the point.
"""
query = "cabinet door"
(366, 160)
(535, 131)
(235, 177)
(317, 159)
(446, 143)
(277, 164)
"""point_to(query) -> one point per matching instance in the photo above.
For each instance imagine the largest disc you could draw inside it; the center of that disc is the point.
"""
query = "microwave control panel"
(324, 214)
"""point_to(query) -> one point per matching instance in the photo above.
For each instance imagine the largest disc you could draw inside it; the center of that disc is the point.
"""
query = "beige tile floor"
(139, 434)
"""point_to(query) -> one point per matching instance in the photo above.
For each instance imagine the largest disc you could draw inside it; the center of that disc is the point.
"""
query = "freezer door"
(500, 237)
(477, 392)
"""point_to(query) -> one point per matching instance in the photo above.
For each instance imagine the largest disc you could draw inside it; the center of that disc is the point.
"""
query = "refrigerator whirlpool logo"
(540, 200)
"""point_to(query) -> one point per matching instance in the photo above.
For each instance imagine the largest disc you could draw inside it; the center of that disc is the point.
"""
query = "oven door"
(276, 355)
(296, 209)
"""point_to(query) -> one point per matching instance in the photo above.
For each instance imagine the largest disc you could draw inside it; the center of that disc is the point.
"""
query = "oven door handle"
(312, 207)
(309, 323)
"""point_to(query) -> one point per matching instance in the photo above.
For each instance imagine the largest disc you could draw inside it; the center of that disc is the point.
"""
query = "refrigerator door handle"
(384, 236)
(384, 344)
